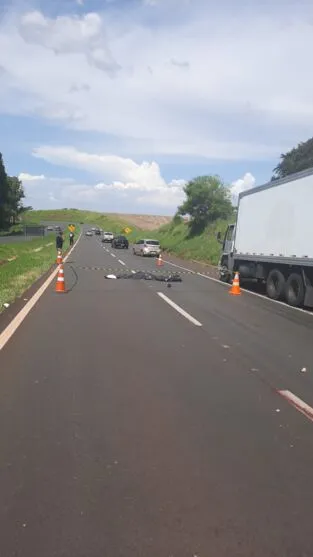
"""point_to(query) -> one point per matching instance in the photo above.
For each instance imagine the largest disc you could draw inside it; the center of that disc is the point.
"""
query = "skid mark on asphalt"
(179, 310)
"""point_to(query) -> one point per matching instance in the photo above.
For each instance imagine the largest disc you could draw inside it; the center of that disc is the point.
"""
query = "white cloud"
(239, 98)
(70, 35)
(24, 177)
(242, 184)
(123, 173)
(120, 177)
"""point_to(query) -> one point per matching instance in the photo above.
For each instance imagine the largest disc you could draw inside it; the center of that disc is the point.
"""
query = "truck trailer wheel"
(275, 284)
(224, 274)
(294, 290)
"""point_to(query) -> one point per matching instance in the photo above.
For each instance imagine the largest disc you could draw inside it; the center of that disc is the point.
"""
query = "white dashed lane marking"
(180, 310)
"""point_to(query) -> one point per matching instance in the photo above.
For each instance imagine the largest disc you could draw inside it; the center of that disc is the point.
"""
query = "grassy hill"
(110, 221)
(114, 223)
(175, 238)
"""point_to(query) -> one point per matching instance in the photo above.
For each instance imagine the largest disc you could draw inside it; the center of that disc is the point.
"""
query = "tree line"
(11, 196)
(297, 159)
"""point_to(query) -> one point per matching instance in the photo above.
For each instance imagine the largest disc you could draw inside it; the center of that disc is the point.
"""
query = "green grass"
(23, 265)
(174, 238)
(76, 216)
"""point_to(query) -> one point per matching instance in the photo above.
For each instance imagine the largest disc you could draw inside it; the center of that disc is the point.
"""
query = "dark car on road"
(120, 242)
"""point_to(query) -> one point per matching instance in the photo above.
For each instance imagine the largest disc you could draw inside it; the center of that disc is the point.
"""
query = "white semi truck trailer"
(272, 240)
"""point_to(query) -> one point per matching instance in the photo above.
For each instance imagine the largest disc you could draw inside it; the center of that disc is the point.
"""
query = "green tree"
(297, 159)
(207, 200)
(11, 195)
(4, 195)
(16, 194)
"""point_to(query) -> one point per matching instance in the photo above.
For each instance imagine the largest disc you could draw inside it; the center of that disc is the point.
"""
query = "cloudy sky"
(111, 105)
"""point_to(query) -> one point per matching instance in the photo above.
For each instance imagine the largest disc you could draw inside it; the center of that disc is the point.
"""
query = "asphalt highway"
(138, 420)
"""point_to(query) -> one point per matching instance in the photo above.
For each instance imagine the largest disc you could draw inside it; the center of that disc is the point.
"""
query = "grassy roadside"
(22, 263)
(174, 238)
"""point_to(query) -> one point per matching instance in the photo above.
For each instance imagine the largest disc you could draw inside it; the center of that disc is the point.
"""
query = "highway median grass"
(22, 263)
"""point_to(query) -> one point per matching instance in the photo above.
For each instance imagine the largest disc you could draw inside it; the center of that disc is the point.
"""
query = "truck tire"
(224, 275)
(275, 284)
(294, 290)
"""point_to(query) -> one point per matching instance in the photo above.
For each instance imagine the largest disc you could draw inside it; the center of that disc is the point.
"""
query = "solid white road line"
(179, 309)
(19, 318)
(121, 262)
(215, 280)
(262, 296)
(179, 266)
(297, 403)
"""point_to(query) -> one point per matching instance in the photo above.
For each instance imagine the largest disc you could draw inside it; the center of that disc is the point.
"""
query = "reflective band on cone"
(59, 258)
(60, 284)
(159, 261)
(235, 288)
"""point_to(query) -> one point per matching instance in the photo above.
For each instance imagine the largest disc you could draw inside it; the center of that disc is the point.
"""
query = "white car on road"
(147, 247)
(107, 237)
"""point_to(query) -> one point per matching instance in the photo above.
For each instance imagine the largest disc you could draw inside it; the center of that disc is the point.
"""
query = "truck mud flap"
(308, 296)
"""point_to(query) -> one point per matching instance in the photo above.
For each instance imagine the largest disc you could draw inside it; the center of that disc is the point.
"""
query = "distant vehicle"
(97, 231)
(50, 228)
(271, 242)
(120, 242)
(88, 233)
(93, 229)
(107, 237)
(147, 248)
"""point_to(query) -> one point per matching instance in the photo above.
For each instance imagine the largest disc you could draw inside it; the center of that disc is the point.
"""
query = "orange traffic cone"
(59, 258)
(235, 288)
(60, 284)
(160, 261)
